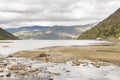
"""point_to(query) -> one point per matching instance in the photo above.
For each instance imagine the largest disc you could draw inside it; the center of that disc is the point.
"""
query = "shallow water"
(11, 46)
(89, 72)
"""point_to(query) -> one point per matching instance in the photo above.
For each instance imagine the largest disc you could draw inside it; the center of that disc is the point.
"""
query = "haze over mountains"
(50, 32)
(107, 29)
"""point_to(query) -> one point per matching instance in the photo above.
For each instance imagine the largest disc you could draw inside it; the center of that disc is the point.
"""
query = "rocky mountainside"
(4, 35)
(107, 29)
(50, 32)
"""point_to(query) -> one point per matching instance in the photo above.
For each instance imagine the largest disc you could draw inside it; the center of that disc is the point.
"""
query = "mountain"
(4, 35)
(107, 29)
(50, 32)
(26, 28)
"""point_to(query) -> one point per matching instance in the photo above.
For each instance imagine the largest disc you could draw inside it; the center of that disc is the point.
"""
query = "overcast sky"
(16, 13)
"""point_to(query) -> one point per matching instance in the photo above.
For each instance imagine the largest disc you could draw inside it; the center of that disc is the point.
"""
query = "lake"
(11, 46)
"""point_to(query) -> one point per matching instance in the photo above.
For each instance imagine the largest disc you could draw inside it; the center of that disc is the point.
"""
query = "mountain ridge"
(13, 30)
(109, 28)
(53, 32)
(4, 35)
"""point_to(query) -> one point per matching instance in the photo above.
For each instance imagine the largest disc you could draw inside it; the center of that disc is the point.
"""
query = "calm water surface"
(11, 46)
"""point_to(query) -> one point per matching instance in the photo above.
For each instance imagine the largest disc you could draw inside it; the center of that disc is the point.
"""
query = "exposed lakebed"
(19, 68)
(30, 69)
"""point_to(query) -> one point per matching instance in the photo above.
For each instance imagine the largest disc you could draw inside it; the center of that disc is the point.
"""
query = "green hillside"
(107, 29)
(4, 35)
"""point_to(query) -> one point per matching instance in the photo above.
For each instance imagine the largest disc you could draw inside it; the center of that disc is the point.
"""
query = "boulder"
(1, 69)
(8, 74)
(15, 67)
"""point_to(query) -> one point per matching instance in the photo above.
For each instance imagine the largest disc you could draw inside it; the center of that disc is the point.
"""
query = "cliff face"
(4, 35)
(108, 28)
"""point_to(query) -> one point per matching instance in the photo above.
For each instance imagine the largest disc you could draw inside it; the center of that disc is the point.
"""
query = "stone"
(8, 74)
(13, 67)
(85, 64)
(43, 55)
(23, 73)
(67, 71)
(1, 69)
(56, 73)
(5, 64)
(34, 70)
(1, 75)
(50, 79)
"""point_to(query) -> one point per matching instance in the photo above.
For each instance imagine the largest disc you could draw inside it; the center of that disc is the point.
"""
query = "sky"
(17, 13)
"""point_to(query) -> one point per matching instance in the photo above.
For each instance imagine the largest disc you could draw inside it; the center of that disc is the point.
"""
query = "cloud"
(15, 13)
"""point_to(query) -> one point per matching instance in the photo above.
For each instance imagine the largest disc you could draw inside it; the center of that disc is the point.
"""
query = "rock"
(5, 64)
(1, 69)
(50, 78)
(75, 63)
(16, 72)
(9, 56)
(17, 66)
(56, 73)
(43, 55)
(8, 74)
(67, 71)
(46, 59)
(96, 64)
(5, 46)
(23, 73)
(34, 70)
(1, 62)
(85, 64)
(1, 75)
(30, 66)
(13, 67)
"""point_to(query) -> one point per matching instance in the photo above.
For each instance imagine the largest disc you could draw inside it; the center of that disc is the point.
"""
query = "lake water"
(11, 46)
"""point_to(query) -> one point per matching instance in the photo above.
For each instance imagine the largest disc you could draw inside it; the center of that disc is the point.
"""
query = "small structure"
(99, 39)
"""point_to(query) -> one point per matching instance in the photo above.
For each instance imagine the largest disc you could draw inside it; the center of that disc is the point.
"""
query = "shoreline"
(7, 48)
(106, 52)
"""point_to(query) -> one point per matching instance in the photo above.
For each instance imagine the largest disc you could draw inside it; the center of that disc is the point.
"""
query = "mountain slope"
(4, 35)
(52, 32)
(107, 29)
(26, 28)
